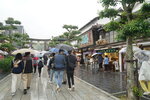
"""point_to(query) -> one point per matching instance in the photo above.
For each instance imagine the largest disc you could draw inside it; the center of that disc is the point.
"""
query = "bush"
(5, 64)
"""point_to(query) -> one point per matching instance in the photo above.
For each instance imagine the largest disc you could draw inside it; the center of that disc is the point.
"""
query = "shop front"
(113, 55)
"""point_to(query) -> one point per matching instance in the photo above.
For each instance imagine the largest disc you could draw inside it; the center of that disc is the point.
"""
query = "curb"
(5, 77)
(108, 94)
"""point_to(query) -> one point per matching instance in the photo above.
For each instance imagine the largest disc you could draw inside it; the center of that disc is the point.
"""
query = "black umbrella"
(64, 47)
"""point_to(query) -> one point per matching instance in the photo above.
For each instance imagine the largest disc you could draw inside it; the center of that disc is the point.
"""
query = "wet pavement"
(111, 82)
(2, 75)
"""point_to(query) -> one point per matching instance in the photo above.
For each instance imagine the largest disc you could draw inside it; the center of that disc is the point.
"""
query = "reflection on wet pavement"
(111, 82)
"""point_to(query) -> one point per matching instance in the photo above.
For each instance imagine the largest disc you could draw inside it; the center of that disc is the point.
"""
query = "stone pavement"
(42, 90)
(112, 82)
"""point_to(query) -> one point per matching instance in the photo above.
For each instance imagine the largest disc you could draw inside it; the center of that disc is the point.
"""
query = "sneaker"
(73, 87)
(146, 93)
(69, 89)
(50, 82)
(13, 93)
(25, 91)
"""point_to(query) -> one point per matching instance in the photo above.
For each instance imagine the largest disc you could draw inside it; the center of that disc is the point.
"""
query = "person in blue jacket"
(17, 67)
(59, 67)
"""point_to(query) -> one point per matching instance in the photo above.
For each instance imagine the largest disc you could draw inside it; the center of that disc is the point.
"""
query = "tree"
(7, 47)
(19, 40)
(66, 37)
(11, 24)
(130, 26)
(71, 33)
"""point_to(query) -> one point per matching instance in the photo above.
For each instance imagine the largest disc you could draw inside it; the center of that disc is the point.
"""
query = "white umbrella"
(5, 53)
(1, 52)
(142, 55)
(23, 51)
(95, 54)
(123, 50)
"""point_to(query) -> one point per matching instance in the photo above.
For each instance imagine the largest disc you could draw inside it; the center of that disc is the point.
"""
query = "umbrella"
(5, 53)
(1, 52)
(24, 50)
(54, 50)
(64, 47)
(123, 50)
(142, 55)
(95, 54)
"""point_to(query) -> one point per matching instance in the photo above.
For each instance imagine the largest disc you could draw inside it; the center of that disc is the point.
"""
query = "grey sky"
(45, 18)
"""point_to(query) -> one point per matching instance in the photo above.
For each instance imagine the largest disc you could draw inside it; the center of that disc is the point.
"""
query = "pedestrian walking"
(40, 66)
(35, 63)
(50, 65)
(45, 59)
(71, 64)
(17, 66)
(59, 67)
(106, 63)
(100, 62)
(78, 60)
(65, 73)
(116, 65)
(27, 72)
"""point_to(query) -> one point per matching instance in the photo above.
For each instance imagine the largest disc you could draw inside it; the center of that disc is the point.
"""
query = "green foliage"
(112, 26)
(1, 24)
(5, 64)
(71, 32)
(108, 2)
(10, 21)
(66, 37)
(2, 38)
(109, 13)
(136, 29)
(137, 91)
(7, 47)
(17, 22)
(145, 8)
(132, 1)
(19, 39)
(70, 27)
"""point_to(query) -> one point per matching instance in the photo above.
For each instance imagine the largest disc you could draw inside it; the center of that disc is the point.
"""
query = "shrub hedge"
(5, 64)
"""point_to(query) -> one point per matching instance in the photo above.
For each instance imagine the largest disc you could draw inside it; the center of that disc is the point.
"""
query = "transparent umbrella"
(24, 50)
(64, 47)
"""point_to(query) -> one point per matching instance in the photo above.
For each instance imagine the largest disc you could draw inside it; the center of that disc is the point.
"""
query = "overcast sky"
(45, 18)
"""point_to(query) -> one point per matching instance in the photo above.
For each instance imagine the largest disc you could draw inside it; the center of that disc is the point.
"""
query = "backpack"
(70, 63)
(40, 64)
(51, 63)
(15, 63)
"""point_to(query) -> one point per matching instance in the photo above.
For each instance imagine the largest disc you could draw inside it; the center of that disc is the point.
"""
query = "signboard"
(112, 50)
(86, 39)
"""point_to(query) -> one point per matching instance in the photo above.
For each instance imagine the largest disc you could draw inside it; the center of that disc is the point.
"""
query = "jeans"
(51, 72)
(59, 77)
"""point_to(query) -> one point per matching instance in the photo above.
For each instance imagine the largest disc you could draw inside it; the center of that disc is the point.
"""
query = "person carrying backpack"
(17, 67)
(71, 64)
(40, 66)
(35, 60)
(59, 67)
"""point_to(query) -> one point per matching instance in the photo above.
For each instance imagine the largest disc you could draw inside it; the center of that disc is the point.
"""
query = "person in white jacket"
(144, 72)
